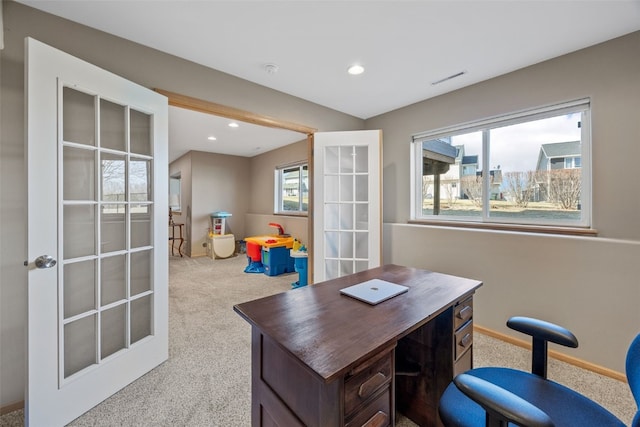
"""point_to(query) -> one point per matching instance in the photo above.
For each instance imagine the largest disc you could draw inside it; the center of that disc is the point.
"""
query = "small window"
(175, 195)
(292, 189)
(524, 168)
(571, 162)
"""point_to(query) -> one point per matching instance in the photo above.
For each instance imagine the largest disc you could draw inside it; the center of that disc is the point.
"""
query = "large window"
(527, 168)
(292, 189)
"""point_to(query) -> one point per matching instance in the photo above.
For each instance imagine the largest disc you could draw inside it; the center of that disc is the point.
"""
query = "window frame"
(175, 192)
(279, 171)
(583, 226)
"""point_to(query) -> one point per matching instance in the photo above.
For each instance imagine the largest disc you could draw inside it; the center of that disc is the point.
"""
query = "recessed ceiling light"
(355, 69)
(233, 125)
(211, 138)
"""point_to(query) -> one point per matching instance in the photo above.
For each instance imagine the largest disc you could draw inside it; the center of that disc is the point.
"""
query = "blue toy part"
(254, 267)
(300, 265)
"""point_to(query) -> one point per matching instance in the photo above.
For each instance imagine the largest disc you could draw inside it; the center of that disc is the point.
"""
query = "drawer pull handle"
(465, 313)
(378, 420)
(466, 340)
(370, 385)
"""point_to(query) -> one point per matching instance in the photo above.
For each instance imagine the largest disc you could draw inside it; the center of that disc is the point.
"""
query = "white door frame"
(327, 192)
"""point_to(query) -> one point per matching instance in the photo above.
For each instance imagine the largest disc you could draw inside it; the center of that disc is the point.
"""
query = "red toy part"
(278, 226)
(254, 251)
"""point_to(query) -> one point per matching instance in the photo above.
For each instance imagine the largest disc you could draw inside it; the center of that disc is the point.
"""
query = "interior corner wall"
(219, 183)
(588, 284)
(143, 65)
(182, 166)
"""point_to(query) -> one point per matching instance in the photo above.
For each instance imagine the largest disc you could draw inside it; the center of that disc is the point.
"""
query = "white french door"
(97, 234)
(346, 202)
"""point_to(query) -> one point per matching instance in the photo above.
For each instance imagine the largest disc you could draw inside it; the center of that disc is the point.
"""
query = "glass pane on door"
(79, 231)
(78, 117)
(113, 227)
(140, 179)
(112, 125)
(80, 287)
(140, 280)
(79, 173)
(141, 318)
(113, 279)
(113, 330)
(141, 225)
(140, 133)
(79, 345)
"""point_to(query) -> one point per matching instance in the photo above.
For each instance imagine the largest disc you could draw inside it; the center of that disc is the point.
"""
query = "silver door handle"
(45, 261)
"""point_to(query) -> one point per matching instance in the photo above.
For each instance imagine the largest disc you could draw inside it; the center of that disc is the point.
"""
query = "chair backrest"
(633, 375)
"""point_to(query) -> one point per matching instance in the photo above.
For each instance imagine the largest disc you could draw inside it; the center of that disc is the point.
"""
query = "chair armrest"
(501, 404)
(543, 330)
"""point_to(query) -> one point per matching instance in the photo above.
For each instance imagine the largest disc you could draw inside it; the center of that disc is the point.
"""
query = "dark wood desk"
(323, 359)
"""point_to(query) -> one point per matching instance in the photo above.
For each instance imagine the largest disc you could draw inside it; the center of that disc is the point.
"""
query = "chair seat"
(564, 406)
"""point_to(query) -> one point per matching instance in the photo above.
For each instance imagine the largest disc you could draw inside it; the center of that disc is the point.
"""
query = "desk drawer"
(462, 312)
(376, 414)
(367, 382)
(464, 339)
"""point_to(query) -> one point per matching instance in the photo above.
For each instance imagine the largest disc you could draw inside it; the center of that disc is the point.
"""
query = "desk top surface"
(331, 333)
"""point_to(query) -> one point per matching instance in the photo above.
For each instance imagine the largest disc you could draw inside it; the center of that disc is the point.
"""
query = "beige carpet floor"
(206, 381)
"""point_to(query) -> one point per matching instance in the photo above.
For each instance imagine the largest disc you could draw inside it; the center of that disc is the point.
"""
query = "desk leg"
(256, 357)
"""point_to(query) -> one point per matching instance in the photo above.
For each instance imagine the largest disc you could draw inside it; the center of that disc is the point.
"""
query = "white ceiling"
(403, 45)
(189, 130)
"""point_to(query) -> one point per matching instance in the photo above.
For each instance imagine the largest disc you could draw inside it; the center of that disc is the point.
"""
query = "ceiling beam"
(184, 101)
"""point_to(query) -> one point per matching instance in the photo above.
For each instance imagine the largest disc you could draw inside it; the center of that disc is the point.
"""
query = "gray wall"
(220, 183)
(142, 65)
(591, 285)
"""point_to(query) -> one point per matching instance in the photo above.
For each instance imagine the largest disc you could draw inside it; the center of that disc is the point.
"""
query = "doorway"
(234, 114)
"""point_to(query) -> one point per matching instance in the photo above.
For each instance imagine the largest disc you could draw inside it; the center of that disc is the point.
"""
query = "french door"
(347, 203)
(97, 234)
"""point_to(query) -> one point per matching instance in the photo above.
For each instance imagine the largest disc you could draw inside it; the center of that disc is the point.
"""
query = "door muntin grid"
(105, 283)
(346, 210)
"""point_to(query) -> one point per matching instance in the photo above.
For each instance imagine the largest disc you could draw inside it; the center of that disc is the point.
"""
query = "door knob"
(45, 261)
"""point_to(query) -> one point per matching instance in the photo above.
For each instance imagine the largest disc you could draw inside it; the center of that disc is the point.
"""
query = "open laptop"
(374, 291)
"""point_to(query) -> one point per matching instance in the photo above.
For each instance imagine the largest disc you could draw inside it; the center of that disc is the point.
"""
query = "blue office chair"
(498, 397)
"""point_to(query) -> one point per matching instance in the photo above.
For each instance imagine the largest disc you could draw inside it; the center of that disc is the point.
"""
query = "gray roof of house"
(439, 150)
(562, 149)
